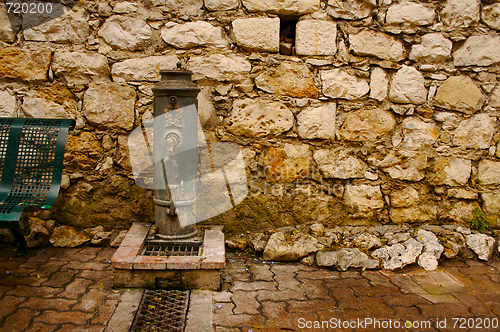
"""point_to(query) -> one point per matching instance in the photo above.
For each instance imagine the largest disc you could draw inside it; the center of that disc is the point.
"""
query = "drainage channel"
(162, 311)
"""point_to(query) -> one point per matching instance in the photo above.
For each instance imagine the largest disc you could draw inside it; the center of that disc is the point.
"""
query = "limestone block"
(219, 67)
(449, 120)
(399, 255)
(109, 105)
(365, 199)
(408, 87)
(80, 68)
(451, 171)
(193, 34)
(495, 98)
(339, 163)
(316, 37)
(491, 202)
(126, 33)
(82, 152)
(278, 248)
(7, 105)
(418, 133)
(142, 69)
(25, 65)
(72, 27)
(404, 198)
(214, 5)
(461, 212)
(489, 172)
(433, 47)
(183, 7)
(350, 9)
(67, 237)
(476, 132)
(338, 83)
(206, 110)
(255, 118)
(368, 241)
(287, 164)
(379, 84)
(41, 108)
(317, 122)
(430, 242)
(491, 15)
(9, 25)
(292, 79)
(125, 7)
(461, 13)
(411, 215)
(367, 125)
(459, 93)
(412, 170)
(353, 257)
(479, 50)
(481, 244)
(377, 44)
(282, 7)
(407, 16)
(257, 34)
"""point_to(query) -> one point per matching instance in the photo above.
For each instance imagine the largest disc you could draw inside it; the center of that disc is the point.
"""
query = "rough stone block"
(316, 37)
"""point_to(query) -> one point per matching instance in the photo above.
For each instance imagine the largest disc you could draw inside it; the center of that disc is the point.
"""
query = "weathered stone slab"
(83, 151)
(125, 8)
(408, 87)
(481, 244)
(143, 69)
(491, 202)
(399, 255)
(377, 44)
(193, 34)
(278, 248)
(418, 133)
(459, 93)
(412, 170)
(257, 34)
(214, 5)
(9, 25)
(126, 33)
(339, 163)
(183, 7)
(407, 16)
(219, 67)
(317, 122)
(287, 164)
(109, 105)
(254, 118)
(282, 7)
(290, 79)
(67, 237)
(367, 125)
(495, 98)
(80, 68)
(350, 9)
(451, 171)
(411, 215)
(365, 199)
(479, 50)
(461, 13)
(72, 27)
(338, 83)
(316, 37)
(491, 15)
(41, 108)
(404, 198)
(379, 84)
(25, 65)
(489, 172)
(433, 47)
(476, 132)
(7, 105)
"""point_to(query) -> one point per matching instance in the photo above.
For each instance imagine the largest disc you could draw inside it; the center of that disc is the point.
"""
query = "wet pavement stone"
(55, 289)
(294, 297)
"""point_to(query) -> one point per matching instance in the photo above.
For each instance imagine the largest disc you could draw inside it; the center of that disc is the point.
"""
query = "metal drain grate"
(162, 311)
(162, 249)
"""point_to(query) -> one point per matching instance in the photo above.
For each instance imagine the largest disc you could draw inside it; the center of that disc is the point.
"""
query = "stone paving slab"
(268, 296)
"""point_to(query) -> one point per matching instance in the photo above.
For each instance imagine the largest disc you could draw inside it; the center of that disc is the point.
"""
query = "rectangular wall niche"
(287, 35)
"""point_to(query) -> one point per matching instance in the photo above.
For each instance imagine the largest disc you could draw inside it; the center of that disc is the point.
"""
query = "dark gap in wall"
(287, 34)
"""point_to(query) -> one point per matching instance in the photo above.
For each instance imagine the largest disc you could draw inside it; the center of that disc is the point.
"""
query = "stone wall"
(348, 112)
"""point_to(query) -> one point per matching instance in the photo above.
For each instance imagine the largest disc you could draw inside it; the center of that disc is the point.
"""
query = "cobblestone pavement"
(56, 289)
(262, 296)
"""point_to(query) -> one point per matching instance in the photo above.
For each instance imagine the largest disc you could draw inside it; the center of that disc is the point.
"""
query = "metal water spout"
(174, 150)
